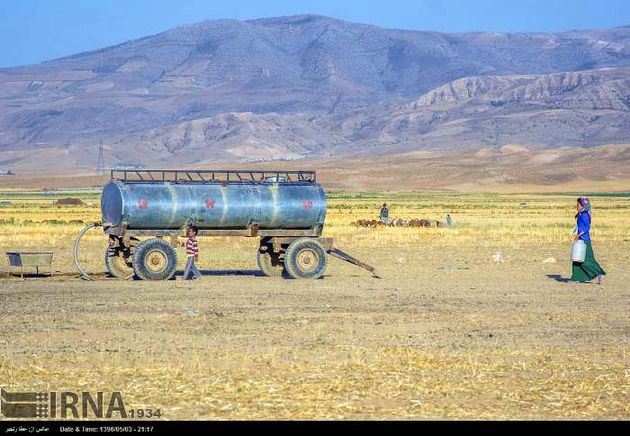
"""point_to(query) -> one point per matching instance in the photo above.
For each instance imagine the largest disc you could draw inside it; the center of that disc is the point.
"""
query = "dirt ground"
(445, 333)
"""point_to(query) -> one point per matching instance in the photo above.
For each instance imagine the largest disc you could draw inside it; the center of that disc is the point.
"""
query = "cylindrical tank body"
(167, 206)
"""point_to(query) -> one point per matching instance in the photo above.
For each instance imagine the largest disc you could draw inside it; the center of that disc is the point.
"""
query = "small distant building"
(69, 202)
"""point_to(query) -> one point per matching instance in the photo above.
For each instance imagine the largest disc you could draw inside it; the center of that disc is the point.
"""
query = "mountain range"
(287, 88)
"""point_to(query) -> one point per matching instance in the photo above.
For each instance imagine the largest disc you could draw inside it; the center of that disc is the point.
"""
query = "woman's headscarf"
(586, 204)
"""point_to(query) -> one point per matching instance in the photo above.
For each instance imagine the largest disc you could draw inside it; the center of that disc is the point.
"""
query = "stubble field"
(475, 321)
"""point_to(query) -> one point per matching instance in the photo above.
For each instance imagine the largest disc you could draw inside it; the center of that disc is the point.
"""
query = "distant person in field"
(192, 254)
(589, 269)
(449, 220)
(384, 216)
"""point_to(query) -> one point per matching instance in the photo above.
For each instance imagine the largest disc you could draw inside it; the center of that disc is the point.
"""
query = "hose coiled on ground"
(75, 249)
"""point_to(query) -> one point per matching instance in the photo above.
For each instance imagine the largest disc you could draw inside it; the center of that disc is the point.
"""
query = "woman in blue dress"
(589, 269)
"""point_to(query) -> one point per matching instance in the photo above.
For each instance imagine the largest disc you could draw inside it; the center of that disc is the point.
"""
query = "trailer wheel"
(305, 258)
(269, 263)
(154, 259)
(117, 264)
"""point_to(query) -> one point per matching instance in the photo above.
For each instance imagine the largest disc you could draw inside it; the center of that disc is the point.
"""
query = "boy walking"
(192, 254)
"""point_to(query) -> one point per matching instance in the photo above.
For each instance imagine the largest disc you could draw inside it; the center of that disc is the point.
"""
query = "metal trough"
(30, 259)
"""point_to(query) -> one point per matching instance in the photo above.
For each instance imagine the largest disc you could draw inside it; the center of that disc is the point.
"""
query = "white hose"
(75, 249)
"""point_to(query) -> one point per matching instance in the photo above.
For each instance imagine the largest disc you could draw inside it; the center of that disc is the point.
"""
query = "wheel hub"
(307, 260)
(156, 261)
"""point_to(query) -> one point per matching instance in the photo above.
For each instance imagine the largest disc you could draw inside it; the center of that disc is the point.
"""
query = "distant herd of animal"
(399, 223)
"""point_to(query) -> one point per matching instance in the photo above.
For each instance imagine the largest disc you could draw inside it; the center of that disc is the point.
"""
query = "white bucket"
(578, 251)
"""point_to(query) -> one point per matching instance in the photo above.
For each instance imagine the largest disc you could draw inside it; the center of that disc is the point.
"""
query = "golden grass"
(32, 222)
(349, 383)
(479, 218)
(236, 360)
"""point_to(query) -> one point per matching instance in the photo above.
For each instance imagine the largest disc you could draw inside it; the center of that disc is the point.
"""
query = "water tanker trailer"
(145, 212)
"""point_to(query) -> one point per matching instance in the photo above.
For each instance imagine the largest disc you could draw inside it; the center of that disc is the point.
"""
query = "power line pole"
(100, 165)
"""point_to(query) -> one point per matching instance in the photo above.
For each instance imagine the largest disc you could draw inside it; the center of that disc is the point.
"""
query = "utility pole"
(100, 165)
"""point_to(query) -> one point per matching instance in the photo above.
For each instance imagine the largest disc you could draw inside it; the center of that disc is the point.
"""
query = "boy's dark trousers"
(191, 270)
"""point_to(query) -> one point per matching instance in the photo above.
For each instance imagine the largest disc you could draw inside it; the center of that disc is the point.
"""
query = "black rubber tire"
(160, 250)
(116, 264)
(269, 263)
(314, 252)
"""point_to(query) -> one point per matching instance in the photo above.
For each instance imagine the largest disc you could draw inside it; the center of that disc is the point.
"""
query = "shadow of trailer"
(285, 209)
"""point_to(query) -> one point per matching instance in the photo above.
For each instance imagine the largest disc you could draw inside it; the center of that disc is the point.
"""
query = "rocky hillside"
(309, 86)
(583, 108)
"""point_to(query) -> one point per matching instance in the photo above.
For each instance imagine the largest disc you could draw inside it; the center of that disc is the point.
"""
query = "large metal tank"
(169, 205)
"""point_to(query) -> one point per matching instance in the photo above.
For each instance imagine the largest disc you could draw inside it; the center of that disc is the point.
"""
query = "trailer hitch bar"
(335, 252)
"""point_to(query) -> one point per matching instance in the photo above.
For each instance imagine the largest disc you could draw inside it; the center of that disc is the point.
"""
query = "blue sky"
(32, 31)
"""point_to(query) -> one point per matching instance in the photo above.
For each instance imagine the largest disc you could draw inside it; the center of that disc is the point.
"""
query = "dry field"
(470, 322)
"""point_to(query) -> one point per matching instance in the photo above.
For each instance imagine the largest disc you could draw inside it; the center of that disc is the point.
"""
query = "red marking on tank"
(308, 204)
(143, 204)
(209, 203)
